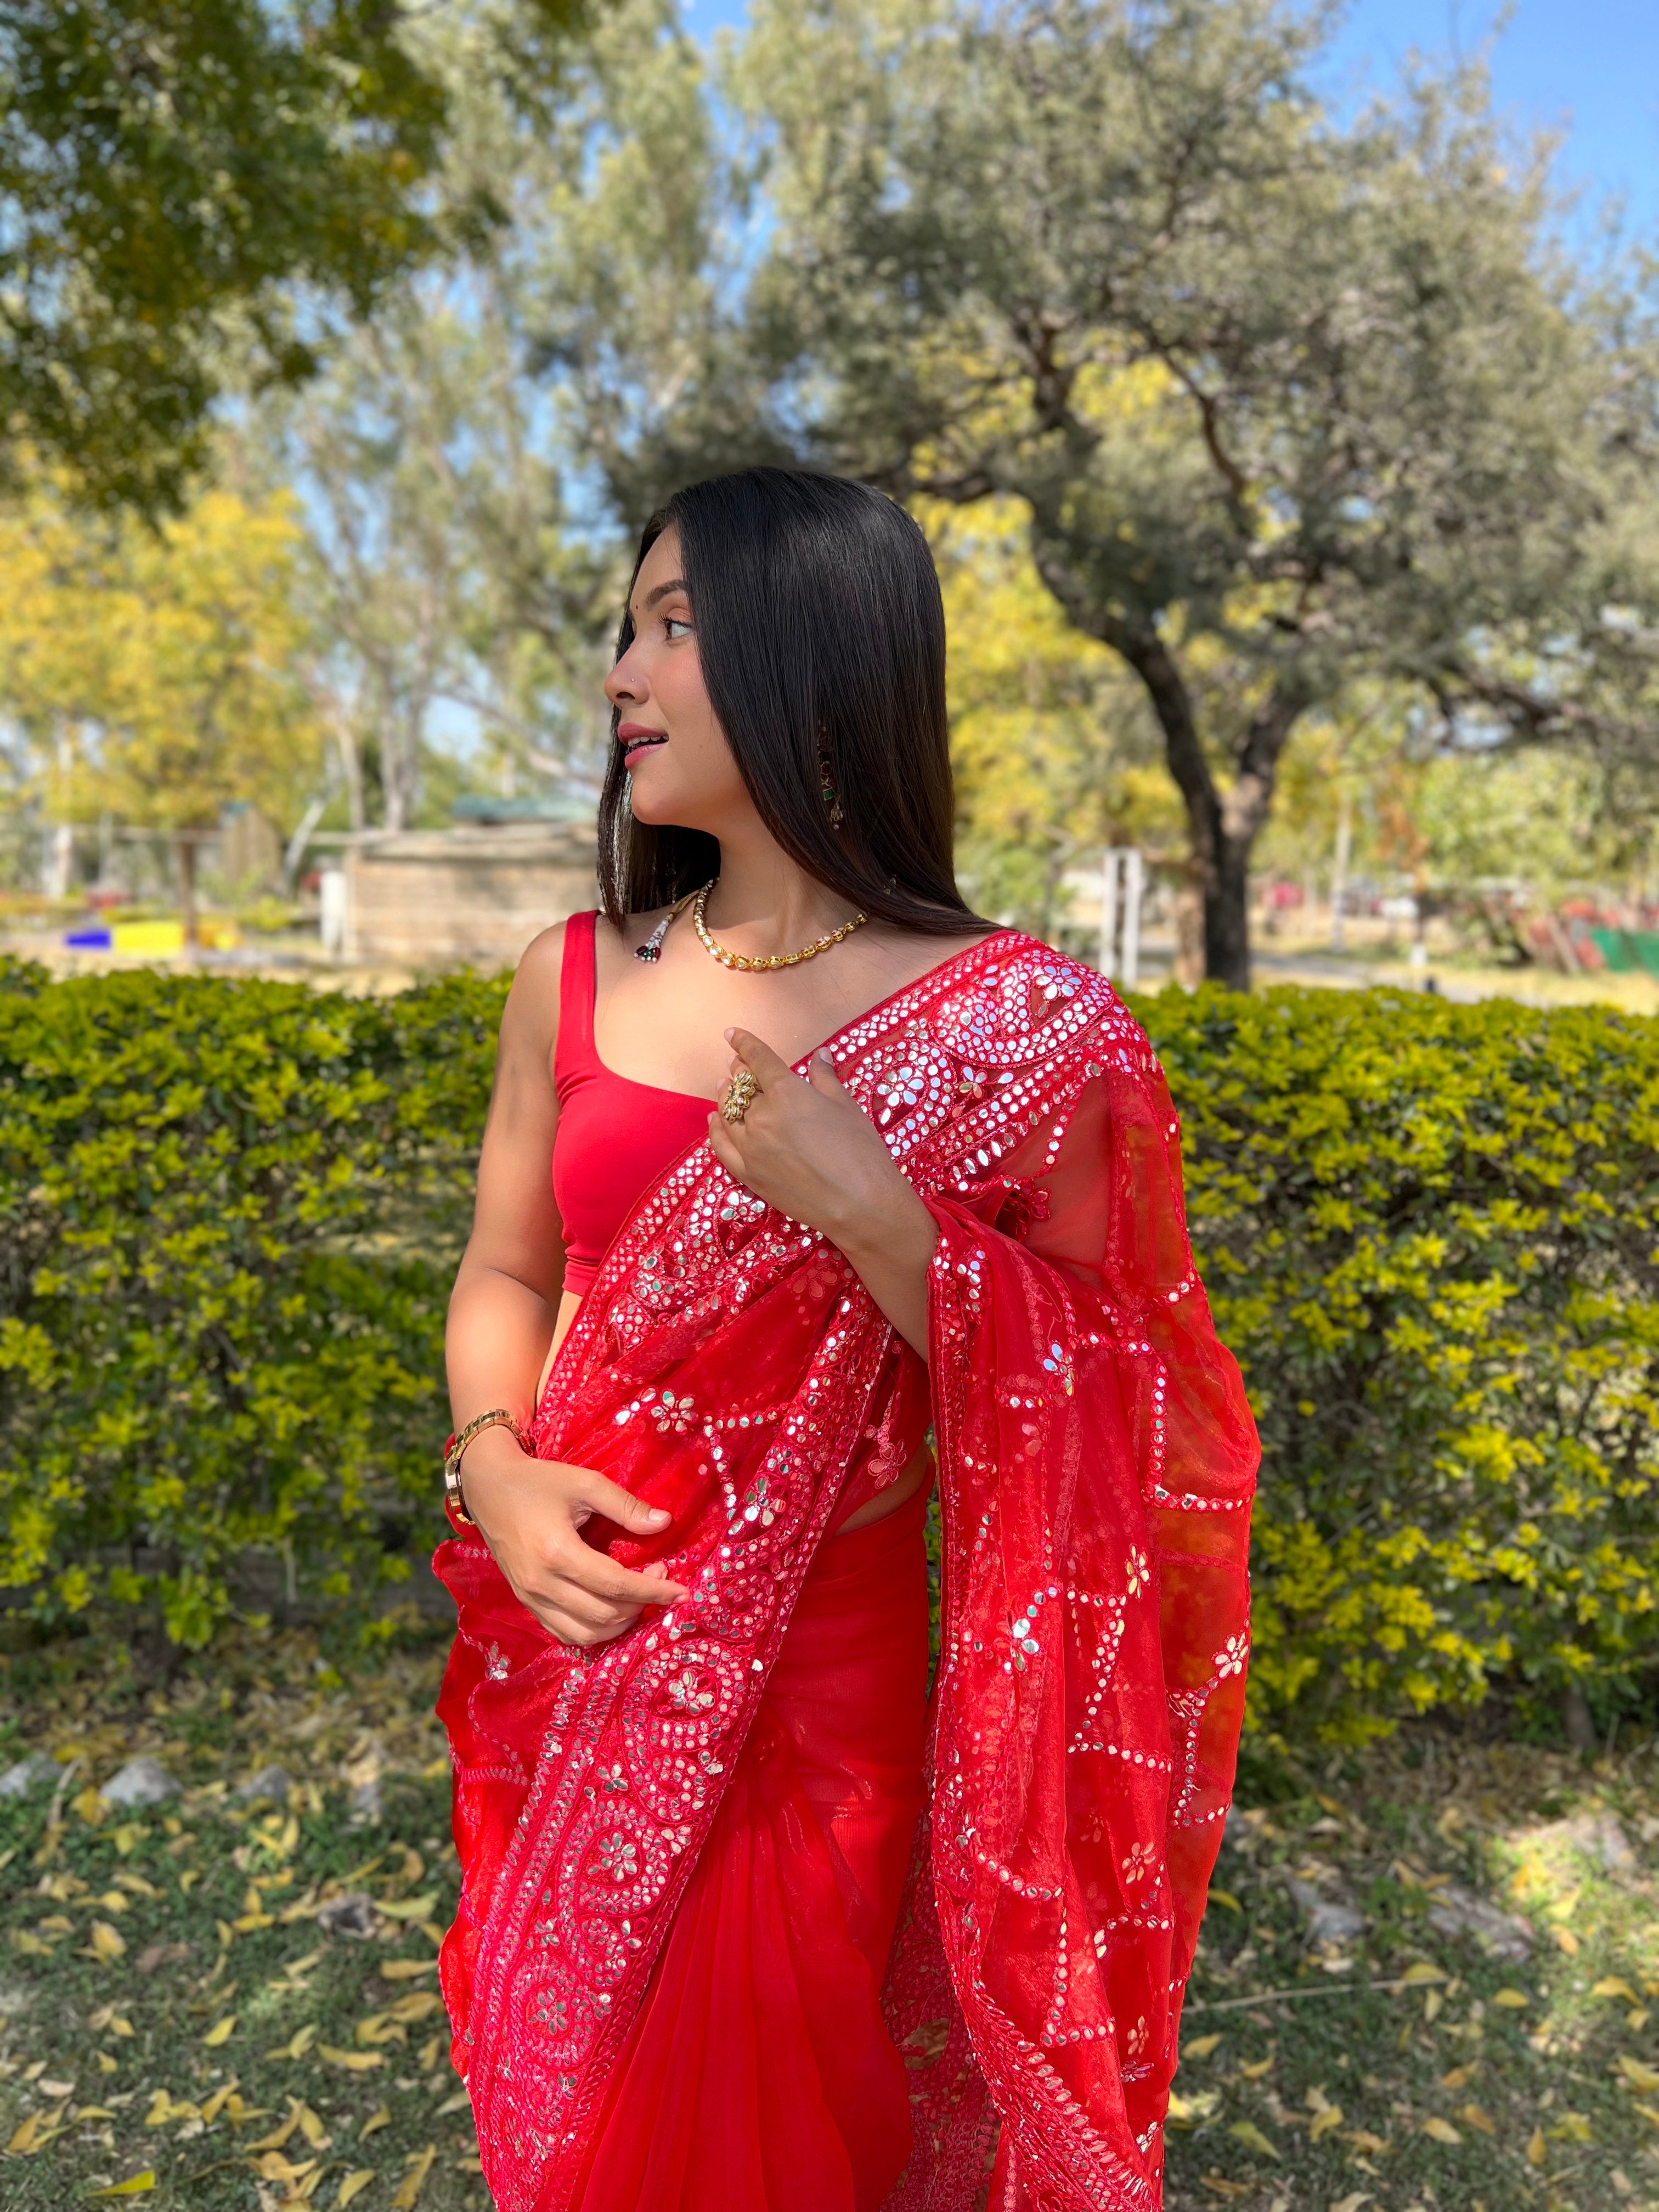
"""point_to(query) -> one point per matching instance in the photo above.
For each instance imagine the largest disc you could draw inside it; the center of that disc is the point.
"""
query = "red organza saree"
(648, 1885)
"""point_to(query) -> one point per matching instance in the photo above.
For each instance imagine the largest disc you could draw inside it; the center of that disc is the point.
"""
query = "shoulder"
(531, 1017)
(1065, 1004)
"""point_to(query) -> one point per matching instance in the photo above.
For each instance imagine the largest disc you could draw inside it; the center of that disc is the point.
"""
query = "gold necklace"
(711, 945)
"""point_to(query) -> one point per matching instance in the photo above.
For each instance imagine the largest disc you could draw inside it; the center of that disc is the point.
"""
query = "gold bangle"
(455, 1497)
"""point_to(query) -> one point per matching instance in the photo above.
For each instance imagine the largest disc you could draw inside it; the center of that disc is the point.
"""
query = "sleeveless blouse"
(616, 1138)
(615, 1141)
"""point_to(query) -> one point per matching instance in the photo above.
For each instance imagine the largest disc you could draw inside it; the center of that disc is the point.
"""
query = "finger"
(620, 1505)
(821, 1074)
(724, 1148)
(601, 1582)
(758, 1057)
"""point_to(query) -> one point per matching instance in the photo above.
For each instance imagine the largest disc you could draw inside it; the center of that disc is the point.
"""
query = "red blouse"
(616, 1139)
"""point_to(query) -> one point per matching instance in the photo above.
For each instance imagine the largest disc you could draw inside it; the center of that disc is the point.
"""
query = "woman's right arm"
(501, 1316)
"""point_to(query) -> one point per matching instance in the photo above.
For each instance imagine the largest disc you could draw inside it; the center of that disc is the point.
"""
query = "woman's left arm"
(809, 1149)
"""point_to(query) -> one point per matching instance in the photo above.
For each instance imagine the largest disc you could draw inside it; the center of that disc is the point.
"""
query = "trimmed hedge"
(230, 1212)
(1430, 1233)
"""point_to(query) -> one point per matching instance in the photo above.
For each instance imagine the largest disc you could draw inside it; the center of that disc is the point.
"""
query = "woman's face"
(680, 766)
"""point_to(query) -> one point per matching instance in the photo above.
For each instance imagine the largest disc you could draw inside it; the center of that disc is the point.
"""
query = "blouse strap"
(574, 1051)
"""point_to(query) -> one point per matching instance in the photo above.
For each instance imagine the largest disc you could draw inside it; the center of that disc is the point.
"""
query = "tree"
(171, 168)
(1289, 405)
(157, 671)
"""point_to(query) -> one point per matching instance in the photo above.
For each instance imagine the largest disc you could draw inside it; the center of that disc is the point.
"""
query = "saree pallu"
(648, 1888)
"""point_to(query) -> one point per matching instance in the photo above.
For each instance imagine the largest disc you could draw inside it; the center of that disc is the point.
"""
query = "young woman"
(792, 1164)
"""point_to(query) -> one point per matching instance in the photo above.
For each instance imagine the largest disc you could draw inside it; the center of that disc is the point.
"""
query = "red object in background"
(98, 900)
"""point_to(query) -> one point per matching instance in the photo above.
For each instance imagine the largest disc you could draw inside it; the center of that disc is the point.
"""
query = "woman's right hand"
(531, 1512)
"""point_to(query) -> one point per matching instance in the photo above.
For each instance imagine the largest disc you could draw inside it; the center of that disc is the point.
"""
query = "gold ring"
(741, 1095)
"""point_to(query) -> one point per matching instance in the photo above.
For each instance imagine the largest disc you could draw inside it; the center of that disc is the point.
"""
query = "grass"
(1413, 2067)
(171, 2008)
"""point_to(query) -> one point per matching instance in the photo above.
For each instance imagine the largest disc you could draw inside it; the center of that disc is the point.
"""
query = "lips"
(636, 739)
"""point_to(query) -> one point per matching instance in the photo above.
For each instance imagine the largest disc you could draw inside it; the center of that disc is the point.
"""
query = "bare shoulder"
(530, 1020)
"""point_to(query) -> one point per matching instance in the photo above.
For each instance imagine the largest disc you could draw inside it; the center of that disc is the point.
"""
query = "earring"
(827, 791)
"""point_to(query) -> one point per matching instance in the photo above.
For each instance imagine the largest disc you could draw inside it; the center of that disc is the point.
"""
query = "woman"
(746, 1923)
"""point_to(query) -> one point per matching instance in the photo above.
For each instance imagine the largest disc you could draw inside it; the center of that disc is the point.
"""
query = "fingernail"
(730, 1034)
(656, 1514)
(825, 1057)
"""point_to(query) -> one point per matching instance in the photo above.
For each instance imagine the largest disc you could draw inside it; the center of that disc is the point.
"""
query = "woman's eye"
(676, 626)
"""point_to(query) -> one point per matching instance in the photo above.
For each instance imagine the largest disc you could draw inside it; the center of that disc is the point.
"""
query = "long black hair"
(821, 636)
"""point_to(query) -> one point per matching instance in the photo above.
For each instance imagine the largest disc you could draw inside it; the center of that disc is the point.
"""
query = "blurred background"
(1276, 383)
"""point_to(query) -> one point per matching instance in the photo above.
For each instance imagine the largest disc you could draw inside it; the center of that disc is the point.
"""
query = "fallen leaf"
(221, 2032)
(421, 2004)
(404, 1970)
(1353, 2203)
(1565, 1940)
(1615, 1985)
(421, 1908)
(1200, 2047)
(106, 2063)
(1441, 2130)
(217, 2103)
(1225, 1897)
(1256, 2068)
(408, 2189)
(115, 1901)
(279, 2136)
(35, 2133)
(1323, 2121)
(106, 1942)
(1639, 2076)
(311, 2128)
(380, 2117)
(460, 2102)
(1456, 2078)
(1421, 1971)
(354, 2183)
(1476, 2119)
(135, 2185)
(358, 2061)
(1251, 2137)
(298, 2044)
(1537, 2150)
(1512, 2000)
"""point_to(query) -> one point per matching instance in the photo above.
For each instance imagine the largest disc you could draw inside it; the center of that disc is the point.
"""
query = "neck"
(764, 903)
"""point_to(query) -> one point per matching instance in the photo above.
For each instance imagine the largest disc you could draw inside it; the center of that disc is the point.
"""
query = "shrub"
(229, 1214)
(1429, 1234)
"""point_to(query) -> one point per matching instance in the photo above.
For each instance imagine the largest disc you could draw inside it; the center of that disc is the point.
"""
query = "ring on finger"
(741, 1094)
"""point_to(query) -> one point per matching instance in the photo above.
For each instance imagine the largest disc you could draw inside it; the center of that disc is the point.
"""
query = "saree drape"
(1096, 1461)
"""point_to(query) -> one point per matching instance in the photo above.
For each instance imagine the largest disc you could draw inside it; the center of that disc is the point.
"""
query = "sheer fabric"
(620, 1811)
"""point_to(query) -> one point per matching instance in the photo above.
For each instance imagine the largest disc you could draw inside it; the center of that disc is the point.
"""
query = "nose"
(626, 685)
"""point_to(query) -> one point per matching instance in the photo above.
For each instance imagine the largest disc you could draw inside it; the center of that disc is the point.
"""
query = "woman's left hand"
(808, 1148)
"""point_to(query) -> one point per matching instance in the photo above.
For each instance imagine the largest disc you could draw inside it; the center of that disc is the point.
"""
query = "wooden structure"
(468, 896)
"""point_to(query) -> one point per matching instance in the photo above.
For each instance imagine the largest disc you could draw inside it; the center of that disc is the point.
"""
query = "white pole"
(1108, 913)
(1133, 881)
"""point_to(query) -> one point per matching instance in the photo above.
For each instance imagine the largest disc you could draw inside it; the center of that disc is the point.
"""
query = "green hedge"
(229, 1214)
(1429, 1233)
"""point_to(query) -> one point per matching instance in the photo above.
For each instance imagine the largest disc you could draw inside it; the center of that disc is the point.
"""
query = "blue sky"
(1588, 67)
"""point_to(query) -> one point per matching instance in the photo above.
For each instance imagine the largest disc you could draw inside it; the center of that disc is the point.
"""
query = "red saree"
(659, 1917)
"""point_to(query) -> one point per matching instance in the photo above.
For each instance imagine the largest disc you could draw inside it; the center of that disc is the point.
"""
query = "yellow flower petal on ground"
(1441, 2130)
(354, 2183)
(221, 2032)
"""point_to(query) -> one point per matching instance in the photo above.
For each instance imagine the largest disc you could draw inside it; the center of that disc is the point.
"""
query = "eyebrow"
(665, 592)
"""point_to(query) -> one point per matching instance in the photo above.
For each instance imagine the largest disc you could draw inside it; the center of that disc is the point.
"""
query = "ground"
(1425, 1981)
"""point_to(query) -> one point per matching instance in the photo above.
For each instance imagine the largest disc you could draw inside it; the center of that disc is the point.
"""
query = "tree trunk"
(185, 846)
